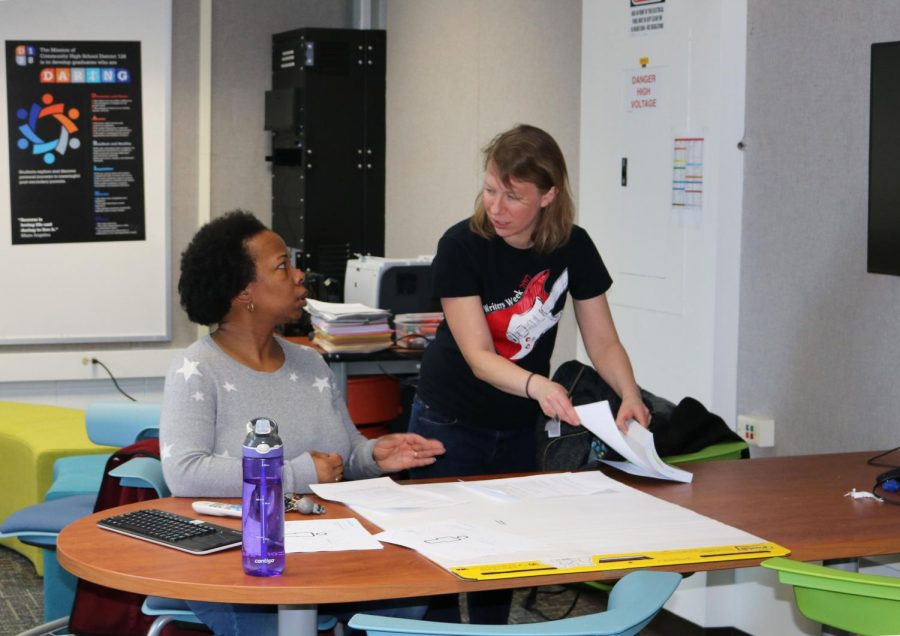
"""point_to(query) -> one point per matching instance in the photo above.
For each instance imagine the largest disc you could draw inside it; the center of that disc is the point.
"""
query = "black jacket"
(677, 429)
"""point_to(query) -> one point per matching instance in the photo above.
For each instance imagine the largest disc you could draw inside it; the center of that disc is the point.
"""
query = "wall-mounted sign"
(643, 89)
(75, 141)
(646, 16)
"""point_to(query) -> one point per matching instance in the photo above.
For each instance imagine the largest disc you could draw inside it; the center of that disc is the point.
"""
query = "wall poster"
(75, 141)
(687, 180)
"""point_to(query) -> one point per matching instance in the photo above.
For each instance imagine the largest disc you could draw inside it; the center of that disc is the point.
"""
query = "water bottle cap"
(262, 437)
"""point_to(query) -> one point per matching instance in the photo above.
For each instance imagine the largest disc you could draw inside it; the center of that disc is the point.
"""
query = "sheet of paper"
(636, 446)
(380, 493)
(327, 535)
(344, 311)
(457, 542)
(541, 486)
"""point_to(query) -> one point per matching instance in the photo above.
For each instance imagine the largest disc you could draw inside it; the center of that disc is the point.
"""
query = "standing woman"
(502, 277)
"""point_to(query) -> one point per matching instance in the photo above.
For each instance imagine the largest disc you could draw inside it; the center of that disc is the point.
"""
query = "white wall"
(674, 297)
(458, 73)
(819, 336)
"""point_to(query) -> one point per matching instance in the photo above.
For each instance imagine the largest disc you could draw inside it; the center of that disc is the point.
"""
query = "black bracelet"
(527, 382)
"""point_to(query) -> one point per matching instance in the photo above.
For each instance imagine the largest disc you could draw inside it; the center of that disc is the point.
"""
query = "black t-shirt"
(523, 294)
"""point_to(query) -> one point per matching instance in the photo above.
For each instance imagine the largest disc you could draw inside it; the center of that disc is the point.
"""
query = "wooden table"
(797, 502)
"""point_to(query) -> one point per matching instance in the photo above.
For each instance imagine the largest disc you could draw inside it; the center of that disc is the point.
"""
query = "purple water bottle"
(262, 520)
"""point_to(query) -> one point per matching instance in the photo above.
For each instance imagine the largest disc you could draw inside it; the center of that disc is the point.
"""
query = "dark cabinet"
(326, 116)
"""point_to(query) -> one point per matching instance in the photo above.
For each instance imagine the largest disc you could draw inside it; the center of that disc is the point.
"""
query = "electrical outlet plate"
(756, 430)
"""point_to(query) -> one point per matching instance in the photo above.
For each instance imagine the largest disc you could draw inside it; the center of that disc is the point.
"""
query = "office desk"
(797, 502)
(395, 360)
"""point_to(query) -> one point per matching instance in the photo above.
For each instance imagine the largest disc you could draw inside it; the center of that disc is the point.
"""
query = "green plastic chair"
(860, 603)
(722, 450)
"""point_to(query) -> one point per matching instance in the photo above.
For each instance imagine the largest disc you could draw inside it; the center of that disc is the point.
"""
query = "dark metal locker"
(326, 113)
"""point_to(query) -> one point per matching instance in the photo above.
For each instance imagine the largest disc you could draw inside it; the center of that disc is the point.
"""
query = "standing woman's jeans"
(472, 450)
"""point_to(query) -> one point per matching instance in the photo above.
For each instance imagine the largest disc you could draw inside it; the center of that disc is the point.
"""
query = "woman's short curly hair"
(216, 266)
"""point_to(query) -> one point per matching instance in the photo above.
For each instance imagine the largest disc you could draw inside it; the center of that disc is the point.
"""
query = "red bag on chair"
(103, 611)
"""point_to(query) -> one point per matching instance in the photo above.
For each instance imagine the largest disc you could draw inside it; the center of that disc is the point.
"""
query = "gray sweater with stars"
(209, 397)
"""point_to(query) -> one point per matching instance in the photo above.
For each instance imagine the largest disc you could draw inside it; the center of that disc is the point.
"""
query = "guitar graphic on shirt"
(530, 318)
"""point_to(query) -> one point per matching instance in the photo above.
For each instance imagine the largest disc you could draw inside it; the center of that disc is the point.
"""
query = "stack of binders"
(349, 327)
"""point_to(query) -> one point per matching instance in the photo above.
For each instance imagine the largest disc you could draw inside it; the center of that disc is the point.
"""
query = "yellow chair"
(32, 438)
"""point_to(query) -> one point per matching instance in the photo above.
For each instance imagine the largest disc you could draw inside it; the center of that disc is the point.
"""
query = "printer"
(400, 285)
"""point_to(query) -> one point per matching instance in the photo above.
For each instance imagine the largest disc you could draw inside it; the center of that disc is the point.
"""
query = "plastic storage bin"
(416, 331)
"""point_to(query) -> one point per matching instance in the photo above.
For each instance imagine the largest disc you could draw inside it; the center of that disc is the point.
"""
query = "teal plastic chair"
(115, 424)
(633, 602)
(76, 481)
(859, 603)
(41, 523)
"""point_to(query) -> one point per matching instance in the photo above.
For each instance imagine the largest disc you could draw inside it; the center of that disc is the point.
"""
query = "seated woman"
(237, 276)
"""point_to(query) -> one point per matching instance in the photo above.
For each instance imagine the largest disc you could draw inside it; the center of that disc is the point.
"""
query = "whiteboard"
(93, 291)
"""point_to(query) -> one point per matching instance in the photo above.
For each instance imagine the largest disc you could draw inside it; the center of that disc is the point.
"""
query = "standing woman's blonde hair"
(526, 153)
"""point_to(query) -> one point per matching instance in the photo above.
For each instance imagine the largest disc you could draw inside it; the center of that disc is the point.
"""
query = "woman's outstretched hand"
(399, 451)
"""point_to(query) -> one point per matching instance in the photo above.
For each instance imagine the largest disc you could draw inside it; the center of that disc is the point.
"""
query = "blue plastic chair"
(110, 424)
(39, 525)
(74, 491)
(633, 602)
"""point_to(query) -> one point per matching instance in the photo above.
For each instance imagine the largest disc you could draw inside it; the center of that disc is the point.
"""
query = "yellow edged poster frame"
(603, 562)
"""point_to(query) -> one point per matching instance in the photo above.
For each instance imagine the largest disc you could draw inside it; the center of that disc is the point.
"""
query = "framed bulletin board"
(84, 177)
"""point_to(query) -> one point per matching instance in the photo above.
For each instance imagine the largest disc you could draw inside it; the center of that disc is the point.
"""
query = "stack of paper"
(349, 327)
(636, 446)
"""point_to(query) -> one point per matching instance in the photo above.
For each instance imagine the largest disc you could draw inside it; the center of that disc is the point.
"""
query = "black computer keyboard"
(173, 531)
